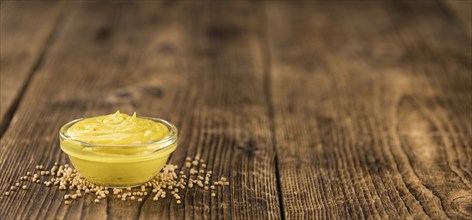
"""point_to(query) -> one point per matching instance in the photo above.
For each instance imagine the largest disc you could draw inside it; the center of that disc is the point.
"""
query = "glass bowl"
(119, 165)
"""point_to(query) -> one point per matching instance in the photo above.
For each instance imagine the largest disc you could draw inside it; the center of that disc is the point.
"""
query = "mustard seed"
(199, 183)
(169, 180)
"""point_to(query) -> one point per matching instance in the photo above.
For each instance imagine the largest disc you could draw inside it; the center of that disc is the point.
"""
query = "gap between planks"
(58, 23)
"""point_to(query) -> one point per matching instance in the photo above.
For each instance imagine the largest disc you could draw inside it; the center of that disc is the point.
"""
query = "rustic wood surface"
(23, 42)
(462, 10)
(374, 119)
(323, 109)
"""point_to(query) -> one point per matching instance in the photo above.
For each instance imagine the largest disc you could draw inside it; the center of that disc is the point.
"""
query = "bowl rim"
(172, 137)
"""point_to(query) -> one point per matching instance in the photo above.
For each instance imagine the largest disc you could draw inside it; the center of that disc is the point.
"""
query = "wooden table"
(312, 109)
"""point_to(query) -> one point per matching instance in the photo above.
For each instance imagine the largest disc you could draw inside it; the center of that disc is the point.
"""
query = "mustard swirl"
(118, 128)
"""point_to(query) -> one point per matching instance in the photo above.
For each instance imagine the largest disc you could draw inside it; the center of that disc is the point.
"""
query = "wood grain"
(313, 109)
(24, 39)
(462, 9)
(372, 108)
(203, 72)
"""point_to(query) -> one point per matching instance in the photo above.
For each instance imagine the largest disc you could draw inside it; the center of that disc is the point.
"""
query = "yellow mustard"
(118, 150)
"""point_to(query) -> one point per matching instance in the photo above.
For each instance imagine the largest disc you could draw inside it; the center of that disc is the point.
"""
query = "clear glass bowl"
(119, 165)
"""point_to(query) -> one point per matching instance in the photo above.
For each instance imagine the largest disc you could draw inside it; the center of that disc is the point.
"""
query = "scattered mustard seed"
(169, 180)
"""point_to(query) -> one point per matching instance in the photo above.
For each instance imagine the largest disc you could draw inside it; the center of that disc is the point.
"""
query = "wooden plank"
(197, 64)
(23, 39)
(462, 9)
(372, 109)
